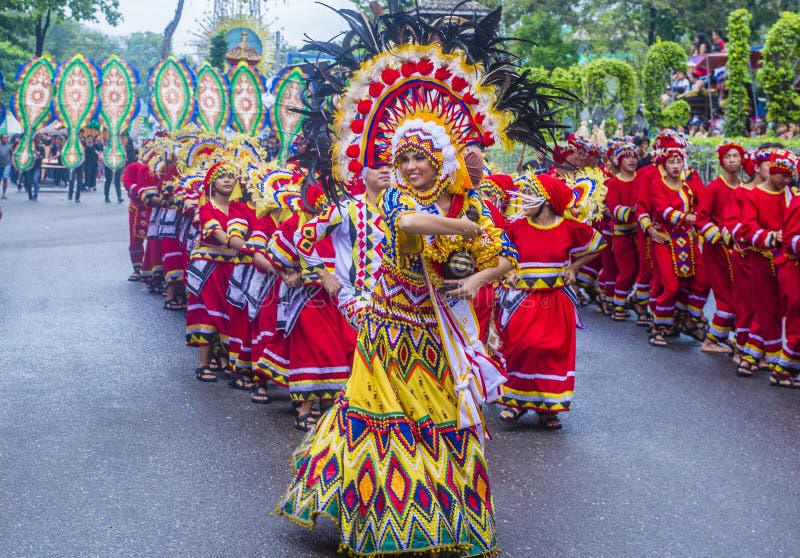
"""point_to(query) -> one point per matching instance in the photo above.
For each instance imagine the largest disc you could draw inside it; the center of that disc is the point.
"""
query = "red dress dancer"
(677, 263)
(209, 271)
(318, 370)
(716, 255)
(621, 203)
(788, 367)
(538, 320)
(138, 217)
(150, 195)
(763, 211)
(241, 218)
(173, 256)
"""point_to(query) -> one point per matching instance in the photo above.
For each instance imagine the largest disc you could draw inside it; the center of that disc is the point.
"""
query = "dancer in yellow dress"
(398, 461)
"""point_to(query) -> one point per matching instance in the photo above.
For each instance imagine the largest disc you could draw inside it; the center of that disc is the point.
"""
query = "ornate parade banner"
(75, 104)
(172, 98)
(31, 105)
(287, 88)
(118, 106)
(213, 104)
(247, 89)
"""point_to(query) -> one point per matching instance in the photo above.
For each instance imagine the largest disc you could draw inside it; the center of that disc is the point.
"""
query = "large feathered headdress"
(396, 67)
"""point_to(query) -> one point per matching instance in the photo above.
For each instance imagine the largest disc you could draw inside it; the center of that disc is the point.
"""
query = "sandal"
(174, 304)
(657, 339)
(549, 421)
(513, 415)
(305, 423)
(242, 382)
(259, 395)
(779, 380)
(135, 276)
(619, 315)
(744, 370)
(205, 374)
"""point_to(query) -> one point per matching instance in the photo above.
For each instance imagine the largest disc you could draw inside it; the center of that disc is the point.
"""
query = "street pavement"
(109, 446)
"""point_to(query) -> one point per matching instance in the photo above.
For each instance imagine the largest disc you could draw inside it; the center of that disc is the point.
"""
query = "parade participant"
(538, 322)
(788, 366)
(316, 373)
(744, 307)
(409, 417)
(241, 222)
(209, 271)
(173, 256)
(5, 162)
(621, 203)
(716, 257)
(763, 210)
(356, 229)
(677, 263)
(138, 218)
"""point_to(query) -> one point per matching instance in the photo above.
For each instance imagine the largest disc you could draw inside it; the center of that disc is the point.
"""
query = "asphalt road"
(110, 447)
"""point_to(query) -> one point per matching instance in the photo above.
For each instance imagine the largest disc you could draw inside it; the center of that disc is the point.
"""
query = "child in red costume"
(621, 203)
(677, 262)
(763, 210)
(716, 256)
(788, 367)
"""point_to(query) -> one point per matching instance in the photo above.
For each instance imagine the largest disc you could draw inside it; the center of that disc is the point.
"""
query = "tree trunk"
(40, 31)
(166, 46)
(651, 26)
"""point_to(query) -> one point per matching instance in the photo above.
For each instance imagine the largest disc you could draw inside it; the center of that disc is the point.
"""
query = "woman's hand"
(469, 229)
(658, 236)
(691, 218)
(511, 280)
(263, 263)
(292, 278)
(570, 275)
(467, 288)
(330, 283)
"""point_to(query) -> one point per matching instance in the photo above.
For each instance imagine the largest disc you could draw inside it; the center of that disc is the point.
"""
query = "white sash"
(476, 377)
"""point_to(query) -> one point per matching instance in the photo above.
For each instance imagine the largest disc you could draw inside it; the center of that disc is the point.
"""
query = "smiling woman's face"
(417, 170)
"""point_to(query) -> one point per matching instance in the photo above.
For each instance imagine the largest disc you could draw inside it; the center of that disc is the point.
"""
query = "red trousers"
(626, 260)
(608, 275)
(644, 274)
(670, 286)
(789, 281)
(484, 304)
(743, 306)
(765, 332)
(718, 266)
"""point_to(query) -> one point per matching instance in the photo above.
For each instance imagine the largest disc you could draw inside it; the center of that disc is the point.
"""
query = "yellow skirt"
(388, 464)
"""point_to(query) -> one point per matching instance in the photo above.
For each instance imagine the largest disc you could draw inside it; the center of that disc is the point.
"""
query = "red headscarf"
(558, 194)
(726, 146)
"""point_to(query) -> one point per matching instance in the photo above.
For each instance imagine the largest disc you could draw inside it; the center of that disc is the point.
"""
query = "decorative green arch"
(663, 58)
(780, 55)
(595, 75)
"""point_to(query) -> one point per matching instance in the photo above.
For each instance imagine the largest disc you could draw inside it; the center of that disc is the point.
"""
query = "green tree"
(11, 58)
(544, 41)
(737, 109)
(676, 114)
(69, 38)
(40, 15)
(218, 47)
(141, 50)
(663, 58)
(779, 70)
